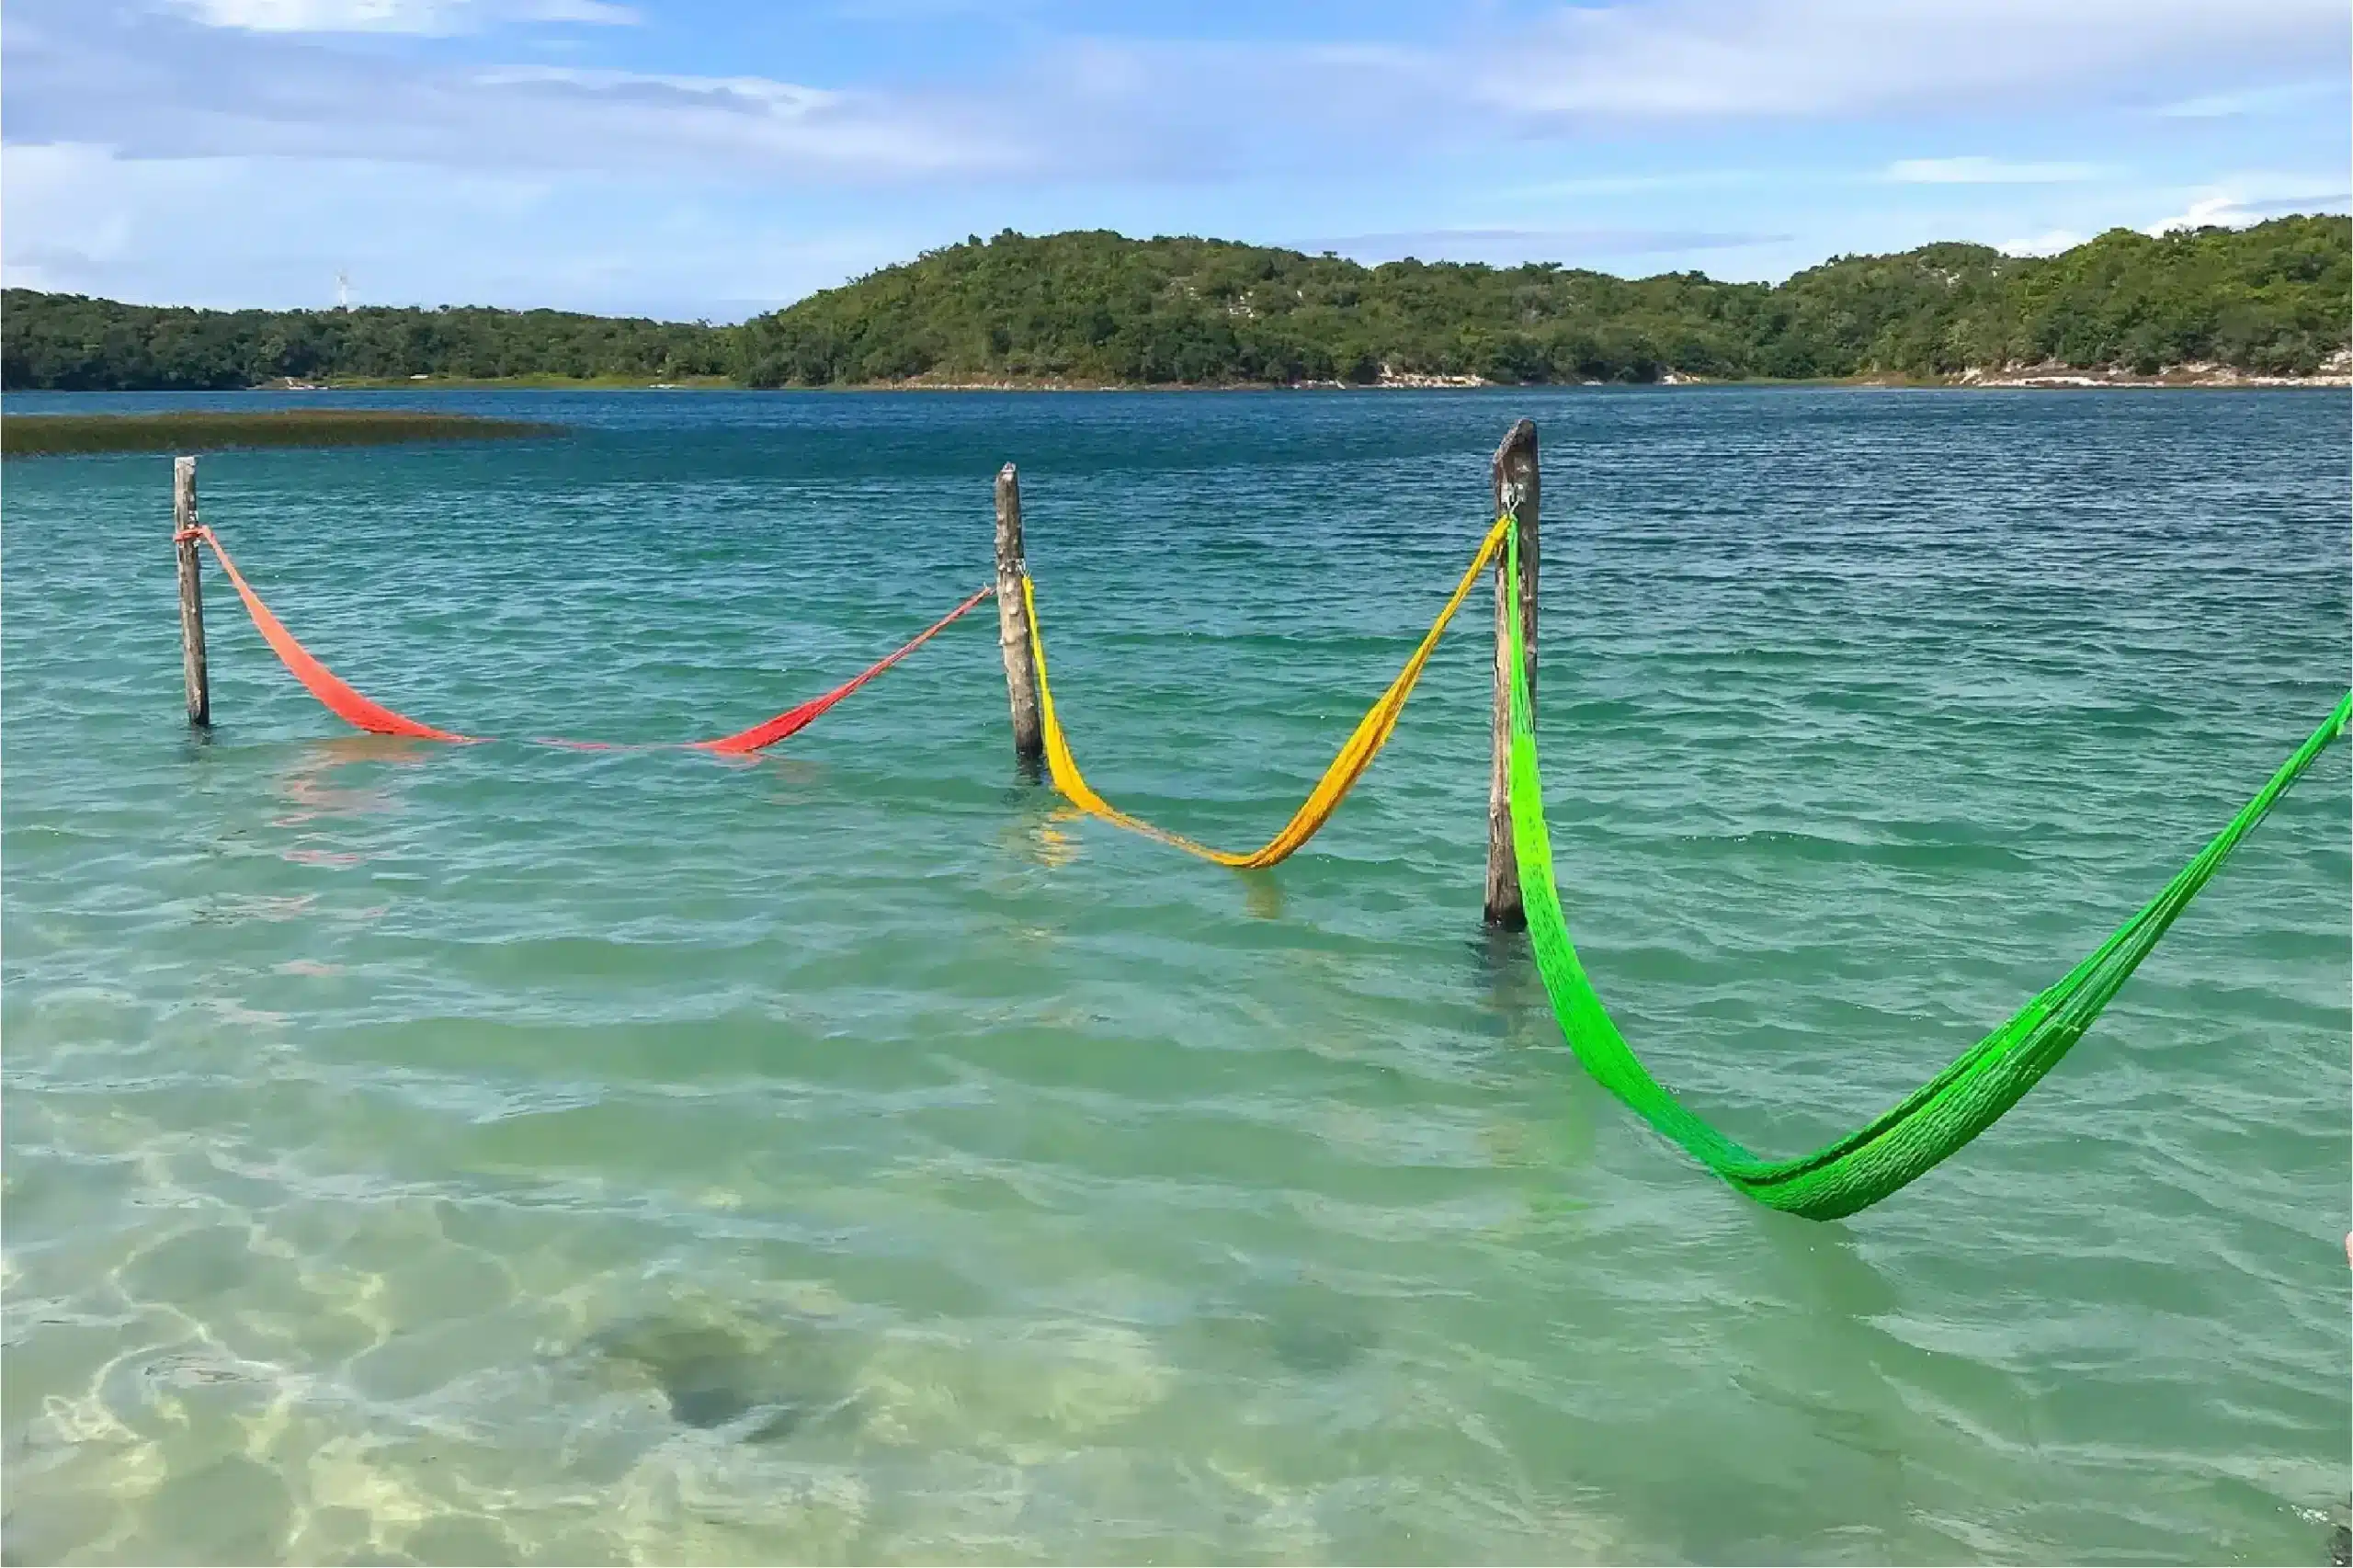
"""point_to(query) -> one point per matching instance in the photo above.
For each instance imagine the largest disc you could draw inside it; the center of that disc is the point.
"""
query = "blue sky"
(715, 158)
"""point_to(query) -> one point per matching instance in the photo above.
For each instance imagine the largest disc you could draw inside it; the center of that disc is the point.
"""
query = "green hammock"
(1856, 1171)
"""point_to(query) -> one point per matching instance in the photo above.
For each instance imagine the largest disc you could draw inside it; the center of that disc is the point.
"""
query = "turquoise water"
(505, 1152)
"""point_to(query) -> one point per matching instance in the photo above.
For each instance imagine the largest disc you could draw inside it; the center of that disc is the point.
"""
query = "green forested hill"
(71, 342)
(1095, 307)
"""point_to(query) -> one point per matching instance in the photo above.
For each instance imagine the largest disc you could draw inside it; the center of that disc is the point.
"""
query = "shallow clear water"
(476, 1154)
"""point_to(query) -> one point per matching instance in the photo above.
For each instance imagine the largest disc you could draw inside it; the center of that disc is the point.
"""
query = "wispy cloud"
(82, 219)
(177, 92)
(754, 118)
(895, 13)
(1804, 58)
(252, 79)
(1512, 247)
(596, 13)
(421, 16)
(1635, 185)
(1986, 171)
(2233, 204)
(2251, 101)
(743, 95)
(2207, 211)
(1082, 109)
(2050, 241)
(328, 15)
(415, 133)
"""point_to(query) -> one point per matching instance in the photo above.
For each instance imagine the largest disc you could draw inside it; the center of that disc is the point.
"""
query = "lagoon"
(507, 1153)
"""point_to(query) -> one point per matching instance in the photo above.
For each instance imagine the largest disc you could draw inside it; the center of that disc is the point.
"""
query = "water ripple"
(503, 1153)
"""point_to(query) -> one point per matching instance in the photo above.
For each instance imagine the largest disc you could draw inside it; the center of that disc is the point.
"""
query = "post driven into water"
(192, 666)
(1012, 624)
(1517, 493)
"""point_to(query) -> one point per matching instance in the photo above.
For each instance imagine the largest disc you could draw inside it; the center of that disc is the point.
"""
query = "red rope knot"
(186, 534)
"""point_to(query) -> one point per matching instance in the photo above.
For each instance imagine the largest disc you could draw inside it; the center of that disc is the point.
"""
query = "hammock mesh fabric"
(1372, 732)
(362, 712)
(1896, 1147)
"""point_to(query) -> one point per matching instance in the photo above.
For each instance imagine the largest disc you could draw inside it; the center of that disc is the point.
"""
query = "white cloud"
(262, 103)
(2050, 241)
(596, 13)
(1510, 247)
(751, 119)
(2256, 100)
(193, 92)
(274, 231)
(2250, 199)
(1986, 171)
(328, 15)
(1751, 58)
(1078, 111)
(1637, 184)
(1084, 109)
(757, 95)
(2207, 211)
(426, 16)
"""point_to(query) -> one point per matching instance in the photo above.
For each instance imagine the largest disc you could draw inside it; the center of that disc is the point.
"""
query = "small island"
(199, 430)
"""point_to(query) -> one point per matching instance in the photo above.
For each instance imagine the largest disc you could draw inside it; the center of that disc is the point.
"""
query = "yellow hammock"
(1371, 733)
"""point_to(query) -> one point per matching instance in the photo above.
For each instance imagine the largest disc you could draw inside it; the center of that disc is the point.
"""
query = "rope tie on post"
(196, 670)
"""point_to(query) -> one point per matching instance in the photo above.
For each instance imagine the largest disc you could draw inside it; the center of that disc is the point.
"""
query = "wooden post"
(1517, 493)
(1012, 624)
(192, 666)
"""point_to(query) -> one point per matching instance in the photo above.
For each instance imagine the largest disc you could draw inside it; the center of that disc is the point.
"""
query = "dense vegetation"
(199, 430)
(1094, 307)
(73, 343)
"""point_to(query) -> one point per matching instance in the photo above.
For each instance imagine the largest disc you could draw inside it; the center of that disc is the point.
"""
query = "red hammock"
(363, 713)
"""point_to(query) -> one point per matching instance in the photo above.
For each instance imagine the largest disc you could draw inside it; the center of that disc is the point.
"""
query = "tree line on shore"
(1095, 307)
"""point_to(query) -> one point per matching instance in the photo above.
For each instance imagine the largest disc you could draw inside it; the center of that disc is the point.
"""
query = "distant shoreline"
(2263, 305)
(2049, 378)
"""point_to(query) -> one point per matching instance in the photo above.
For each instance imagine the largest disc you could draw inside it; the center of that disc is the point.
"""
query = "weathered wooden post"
(199, 681)
(1012, 624)
(1516, 494)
